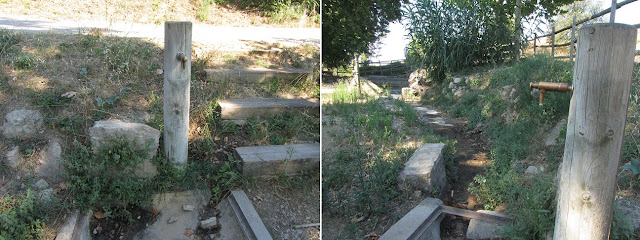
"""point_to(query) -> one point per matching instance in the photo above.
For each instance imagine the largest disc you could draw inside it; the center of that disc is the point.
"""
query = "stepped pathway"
(472, 155)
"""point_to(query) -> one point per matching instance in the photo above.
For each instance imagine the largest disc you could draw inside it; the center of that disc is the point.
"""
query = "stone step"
(239, 219)
(242, 109)
(390, 82)
(257, 75)
(292, 159)
(425, 169)
(422, 222)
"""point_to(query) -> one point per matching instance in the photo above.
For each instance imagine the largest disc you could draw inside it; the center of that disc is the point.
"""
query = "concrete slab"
(241, 109)
(257, 75)
(170, 206)
(76, 227)
(291, 159)
(425, 169)
(422, 222)
(479, 229)
(239, 219)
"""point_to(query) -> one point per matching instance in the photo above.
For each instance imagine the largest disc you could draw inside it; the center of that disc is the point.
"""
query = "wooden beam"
(177, 76)
(597, 115)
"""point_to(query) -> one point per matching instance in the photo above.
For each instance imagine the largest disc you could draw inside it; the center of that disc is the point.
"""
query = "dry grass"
(149, 11)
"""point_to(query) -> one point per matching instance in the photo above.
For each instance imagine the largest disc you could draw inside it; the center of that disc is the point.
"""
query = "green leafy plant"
(22, 217)
(634, 167)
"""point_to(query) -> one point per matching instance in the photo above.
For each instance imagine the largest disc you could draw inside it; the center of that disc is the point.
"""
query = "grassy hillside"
(500, 103)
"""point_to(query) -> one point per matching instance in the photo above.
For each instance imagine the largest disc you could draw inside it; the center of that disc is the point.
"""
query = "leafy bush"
(94, 184)
(21, 217)
(447, 36)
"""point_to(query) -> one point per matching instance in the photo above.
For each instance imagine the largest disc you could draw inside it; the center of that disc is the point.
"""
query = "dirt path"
(218, 37)
(472, 155)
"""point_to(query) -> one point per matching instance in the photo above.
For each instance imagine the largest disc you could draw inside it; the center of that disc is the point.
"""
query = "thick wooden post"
(597, 115)
(177, 75)
(572, 45)
(356, 74)
(553, 41)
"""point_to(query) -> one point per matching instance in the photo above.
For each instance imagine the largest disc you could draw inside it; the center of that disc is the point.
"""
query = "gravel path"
(219, 37)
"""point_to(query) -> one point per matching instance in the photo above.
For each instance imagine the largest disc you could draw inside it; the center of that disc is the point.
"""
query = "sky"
(391, 47)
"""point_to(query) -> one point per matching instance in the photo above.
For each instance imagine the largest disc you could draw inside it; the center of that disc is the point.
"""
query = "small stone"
(172, 220)
(189, 208)
(459, 93)
(466, 81)
(212, 236)
(451, 85)
(457, 80)
(159, 71)
(417, 194)
(13, 157)
(46, 194)
(42, 184)
(209, 223)
(532, 170)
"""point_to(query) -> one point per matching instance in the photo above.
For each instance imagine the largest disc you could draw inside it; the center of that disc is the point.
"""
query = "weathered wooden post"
(597, 115)
(553, 41)
(612, 17)
(177, 75)
(355, 72)
(572, 44)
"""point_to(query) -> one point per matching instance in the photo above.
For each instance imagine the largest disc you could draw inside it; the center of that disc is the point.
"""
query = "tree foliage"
(579, 9)
(350, 26)
(448, 36)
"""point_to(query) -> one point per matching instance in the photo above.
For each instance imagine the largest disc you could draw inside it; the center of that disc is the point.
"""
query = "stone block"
(170, 207)
(22, 124)
(274, 160)
(142, 136)
(479, 229)
(422, 222)
(241, 109)
(425, 169)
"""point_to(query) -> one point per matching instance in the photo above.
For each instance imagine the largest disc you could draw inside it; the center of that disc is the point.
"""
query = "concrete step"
(389, 82)
(257, 75)
(422, 222)
(239, 219)
(242, 109)
(425, 169)
(292, 159)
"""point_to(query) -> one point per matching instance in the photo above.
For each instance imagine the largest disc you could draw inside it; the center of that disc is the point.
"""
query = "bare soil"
(285, 210)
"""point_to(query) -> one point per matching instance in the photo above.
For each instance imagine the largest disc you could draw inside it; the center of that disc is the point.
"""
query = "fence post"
(355, 72)
(535, 39)
(612, 17)
(597, 115)
(573, 28)
(177, 75)
(553, 41)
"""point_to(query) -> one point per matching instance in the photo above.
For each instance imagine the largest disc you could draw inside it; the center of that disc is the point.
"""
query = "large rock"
(142, 136)
(49, 162)
(13, 157)
(170, 207)
(631, 211)
(508, 93)
(22, 124)
(425, 169)
(418, 81)
(479, 229)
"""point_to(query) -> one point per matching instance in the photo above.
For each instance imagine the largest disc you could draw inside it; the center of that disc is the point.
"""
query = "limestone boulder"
(22, 124)
(418, 81)
(144, 137)
(425, 169)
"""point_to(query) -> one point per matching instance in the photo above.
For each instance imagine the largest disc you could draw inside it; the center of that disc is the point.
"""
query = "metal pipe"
(549, 86)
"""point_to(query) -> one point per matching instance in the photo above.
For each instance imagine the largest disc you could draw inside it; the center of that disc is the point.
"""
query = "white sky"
(392, 46)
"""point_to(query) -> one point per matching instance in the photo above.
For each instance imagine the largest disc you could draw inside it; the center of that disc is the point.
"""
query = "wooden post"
(612, 17)
(553, 41)
(597, 115)
(355, 72)
(572, 45)
(177, 75)
(535, 39)
(518, 33)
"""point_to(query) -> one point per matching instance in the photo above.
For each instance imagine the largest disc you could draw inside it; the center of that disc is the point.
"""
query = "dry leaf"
(63, 186)
(372, 236)
(357, 219)
(69, 94)
(98, 215)
(188, 232)
(257, 198)
(155, 211)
